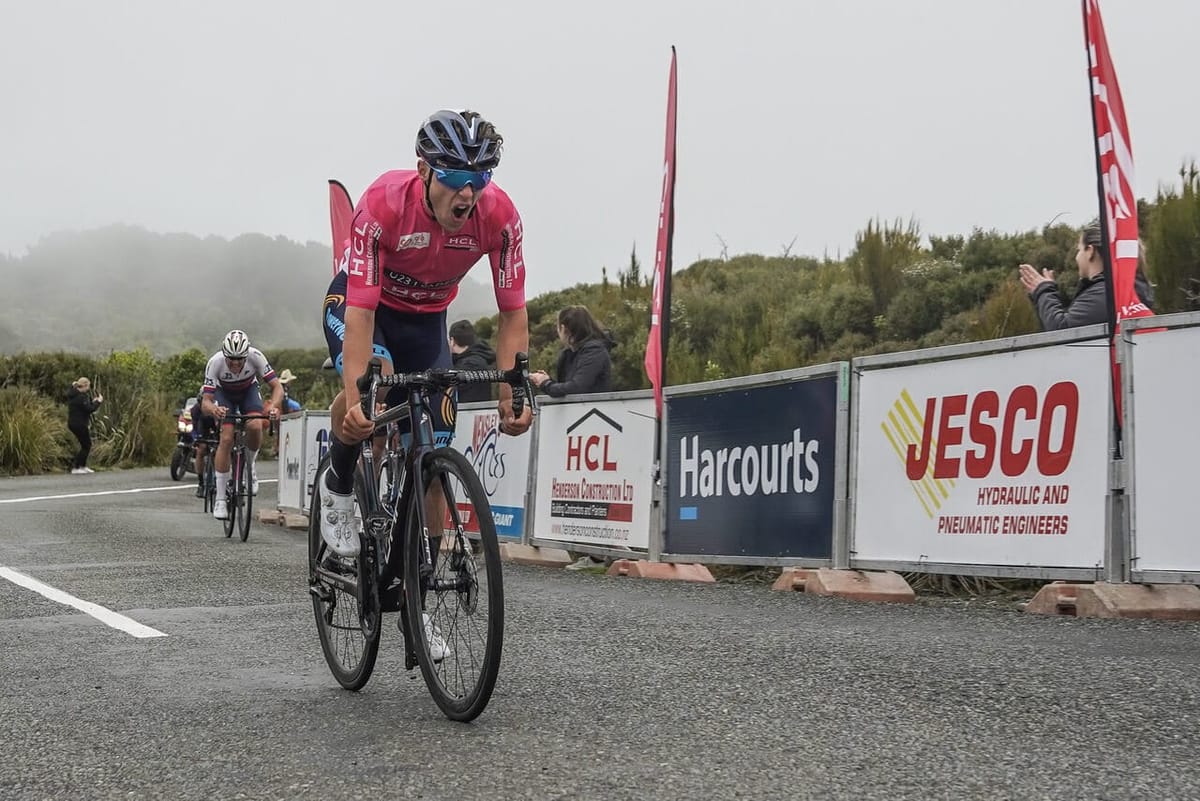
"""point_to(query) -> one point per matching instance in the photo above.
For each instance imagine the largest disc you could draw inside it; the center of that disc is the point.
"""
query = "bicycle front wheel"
(230, 521)
(349, 632)
(245, 495)
(455, 606)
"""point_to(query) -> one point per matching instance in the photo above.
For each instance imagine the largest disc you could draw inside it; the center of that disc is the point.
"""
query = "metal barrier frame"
(840, 554)
(1126, 348)
(577, 547)
(1086, 336)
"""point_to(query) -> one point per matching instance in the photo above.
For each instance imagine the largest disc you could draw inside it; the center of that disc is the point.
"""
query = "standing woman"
(584, 365)
(79, 412)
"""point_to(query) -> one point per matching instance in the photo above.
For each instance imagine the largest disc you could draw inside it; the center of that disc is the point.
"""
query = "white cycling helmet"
(236, 345)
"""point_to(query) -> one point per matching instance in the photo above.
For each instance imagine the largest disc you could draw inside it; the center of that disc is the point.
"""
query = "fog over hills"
(122, 287)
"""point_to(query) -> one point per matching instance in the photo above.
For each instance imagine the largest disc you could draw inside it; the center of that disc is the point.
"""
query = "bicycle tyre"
(230, 521)
(210, 484)
(466, 700)
(339, 642)
(245, 492)
(177, 464)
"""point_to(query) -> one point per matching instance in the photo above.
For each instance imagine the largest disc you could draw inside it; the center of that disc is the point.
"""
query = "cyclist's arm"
(356, 348)
(508, 281)
(363, 286)
(276, 401)
(209, 387)
(512, 337)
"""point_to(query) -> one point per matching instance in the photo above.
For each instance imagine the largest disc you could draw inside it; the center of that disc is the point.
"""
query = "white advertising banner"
(316, 445)
(997, 459)
(594, 472)
(502, 463)
(291, 484)
(1166, 381)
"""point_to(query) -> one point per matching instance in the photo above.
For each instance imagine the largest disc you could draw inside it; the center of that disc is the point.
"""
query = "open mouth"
(460, 210)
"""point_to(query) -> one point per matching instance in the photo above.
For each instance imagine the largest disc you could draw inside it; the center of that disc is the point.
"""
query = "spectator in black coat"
(1090, 304)
(468, 352)
(584, 365)
(80, 406)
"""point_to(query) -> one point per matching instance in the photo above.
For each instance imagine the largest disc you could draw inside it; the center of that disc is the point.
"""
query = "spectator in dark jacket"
(468, 352)
(584, 365)
(80, 406)
(1090, 304)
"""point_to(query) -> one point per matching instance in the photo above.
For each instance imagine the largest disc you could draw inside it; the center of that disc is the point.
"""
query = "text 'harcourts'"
(779, 467)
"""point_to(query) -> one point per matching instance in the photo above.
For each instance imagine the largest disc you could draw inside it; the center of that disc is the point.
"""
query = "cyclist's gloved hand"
(512, 425)
(355, 425)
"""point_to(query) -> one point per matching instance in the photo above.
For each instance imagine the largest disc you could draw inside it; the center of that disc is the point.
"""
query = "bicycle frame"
(378, 522)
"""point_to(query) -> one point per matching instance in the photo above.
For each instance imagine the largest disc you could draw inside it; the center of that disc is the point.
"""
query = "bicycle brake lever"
(366, 384)
(518, 379)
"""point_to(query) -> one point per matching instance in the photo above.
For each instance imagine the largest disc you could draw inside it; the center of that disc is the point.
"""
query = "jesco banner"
(997, 459)
(751, 471)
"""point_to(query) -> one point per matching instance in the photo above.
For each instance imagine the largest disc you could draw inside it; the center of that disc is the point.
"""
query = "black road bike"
(239, 495)
(442, 575)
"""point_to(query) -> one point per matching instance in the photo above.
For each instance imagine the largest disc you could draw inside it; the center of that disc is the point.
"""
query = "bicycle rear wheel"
(455, 608)
(348, 627)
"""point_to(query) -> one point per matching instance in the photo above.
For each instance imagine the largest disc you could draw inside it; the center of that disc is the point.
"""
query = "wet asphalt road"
(610, 688)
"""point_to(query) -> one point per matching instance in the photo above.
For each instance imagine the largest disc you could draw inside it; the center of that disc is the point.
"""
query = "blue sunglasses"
(457, 179)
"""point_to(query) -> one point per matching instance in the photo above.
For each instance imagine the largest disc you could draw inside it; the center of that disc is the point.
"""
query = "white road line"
(105, 616)
(186, 485)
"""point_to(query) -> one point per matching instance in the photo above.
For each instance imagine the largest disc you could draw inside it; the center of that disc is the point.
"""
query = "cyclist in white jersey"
(231, 385)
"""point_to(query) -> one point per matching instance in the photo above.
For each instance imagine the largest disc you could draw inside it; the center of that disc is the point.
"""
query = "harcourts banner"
(998, 459)
(751, 471)
(594, 466)
(502, 463)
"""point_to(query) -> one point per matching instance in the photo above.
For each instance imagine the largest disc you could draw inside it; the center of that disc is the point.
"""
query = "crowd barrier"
(593, 474)
(1161, 382)
(988, 458)
(992, 458)
(303, 442)
(754, 469)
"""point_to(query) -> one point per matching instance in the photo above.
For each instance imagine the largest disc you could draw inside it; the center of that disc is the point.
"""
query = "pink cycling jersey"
(401, 258)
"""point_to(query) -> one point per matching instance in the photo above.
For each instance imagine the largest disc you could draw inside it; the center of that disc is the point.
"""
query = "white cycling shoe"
(338, 527)
(221, 509)
(439, 649)
(253, 482)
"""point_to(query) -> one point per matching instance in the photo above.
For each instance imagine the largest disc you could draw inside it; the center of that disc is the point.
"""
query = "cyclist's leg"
(337, 484)
(221, 462)
(421, 343)
(344, 455)
(252, 404)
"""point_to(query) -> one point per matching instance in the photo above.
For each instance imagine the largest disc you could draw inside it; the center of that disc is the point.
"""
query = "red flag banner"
(1114, 162)
(660, 302)
(341, 213)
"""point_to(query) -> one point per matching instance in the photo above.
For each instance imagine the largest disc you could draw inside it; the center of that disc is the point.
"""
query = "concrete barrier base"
(289, 520)
(670, 571)
(520, 554)
(1101, 599)
(857, 585)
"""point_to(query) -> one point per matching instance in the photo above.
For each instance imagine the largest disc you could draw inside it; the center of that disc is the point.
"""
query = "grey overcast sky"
(797, 119)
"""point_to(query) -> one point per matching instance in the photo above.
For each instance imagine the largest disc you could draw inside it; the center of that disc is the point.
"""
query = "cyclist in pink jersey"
(415, 234)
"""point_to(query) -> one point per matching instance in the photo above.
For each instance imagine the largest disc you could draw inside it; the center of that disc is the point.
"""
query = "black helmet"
(459, 140)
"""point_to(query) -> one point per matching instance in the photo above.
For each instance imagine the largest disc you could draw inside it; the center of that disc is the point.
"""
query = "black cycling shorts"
(408, 341)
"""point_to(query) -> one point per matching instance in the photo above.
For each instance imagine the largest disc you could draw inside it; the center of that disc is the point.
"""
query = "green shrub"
(133, 428)
(33, 433)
